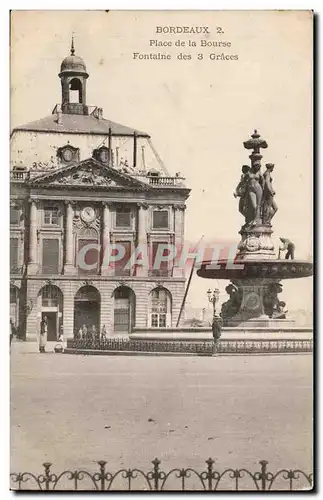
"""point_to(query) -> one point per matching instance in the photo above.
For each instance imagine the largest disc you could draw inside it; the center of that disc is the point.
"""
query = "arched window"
(76, 91)
(160, 308)
(87, 306)
(88, 252)
(51, 295)
(50, 304)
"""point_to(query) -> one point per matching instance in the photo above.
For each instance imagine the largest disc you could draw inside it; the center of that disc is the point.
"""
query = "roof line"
(24, 129)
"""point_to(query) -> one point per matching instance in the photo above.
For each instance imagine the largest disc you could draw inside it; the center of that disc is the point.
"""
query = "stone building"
(84, 187)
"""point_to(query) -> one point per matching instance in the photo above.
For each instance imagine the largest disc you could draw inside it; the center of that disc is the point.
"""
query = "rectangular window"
(14, 216)
(160, 219)
(88, 260)
(123, 217)
(13, 295)
(14, 254)
(51, 216)
(50, 256)
(158, 320)
(158, 266)
(154, 320)
(162, 320)
(120, 264)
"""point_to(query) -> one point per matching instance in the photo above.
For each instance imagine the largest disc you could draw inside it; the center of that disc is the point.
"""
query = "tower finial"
(72, 46)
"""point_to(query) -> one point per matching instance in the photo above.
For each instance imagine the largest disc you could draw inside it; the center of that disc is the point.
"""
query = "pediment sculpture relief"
(85, 178)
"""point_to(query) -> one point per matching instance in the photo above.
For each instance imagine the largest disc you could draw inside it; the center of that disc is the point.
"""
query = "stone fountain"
(255, 273)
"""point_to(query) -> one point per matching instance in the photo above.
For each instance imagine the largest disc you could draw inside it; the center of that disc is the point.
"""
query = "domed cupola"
(73, 77)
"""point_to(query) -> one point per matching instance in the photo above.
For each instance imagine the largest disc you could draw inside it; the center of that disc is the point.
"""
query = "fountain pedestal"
(256, 309)
(256, 243)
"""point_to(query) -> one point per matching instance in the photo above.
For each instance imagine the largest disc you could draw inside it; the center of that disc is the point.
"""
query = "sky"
(198, 112)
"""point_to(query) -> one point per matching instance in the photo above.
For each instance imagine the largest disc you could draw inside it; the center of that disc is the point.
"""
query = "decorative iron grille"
(196, 347)
(157, 479)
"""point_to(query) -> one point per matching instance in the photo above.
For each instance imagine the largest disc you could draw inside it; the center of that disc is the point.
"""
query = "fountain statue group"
(256, 193)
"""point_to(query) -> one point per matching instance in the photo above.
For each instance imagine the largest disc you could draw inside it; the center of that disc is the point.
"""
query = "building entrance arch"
(87, 305)
(50, 299)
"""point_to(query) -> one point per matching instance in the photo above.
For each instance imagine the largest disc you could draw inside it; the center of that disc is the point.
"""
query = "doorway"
(51, 325)
(50, 304)
(86, 313)
(87, 309)
(124, 309)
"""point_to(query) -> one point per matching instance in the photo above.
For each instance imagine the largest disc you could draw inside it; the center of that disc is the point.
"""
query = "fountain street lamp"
(213, 298)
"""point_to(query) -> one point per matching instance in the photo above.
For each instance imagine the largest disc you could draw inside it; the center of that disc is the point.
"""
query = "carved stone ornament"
(17, 204)
(36, 201)
(28, 306)
(85, 177)
(102, 154)
(143, 205)
(87, 283)
(252, 301)
(159, 284)
(252, 244)
(68, 154)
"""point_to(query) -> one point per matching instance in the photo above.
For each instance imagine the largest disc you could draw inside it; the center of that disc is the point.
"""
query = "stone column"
(142, 244)
(106, 228)
(69, 267)
(68, 308)
(33, 238)
(178, 272)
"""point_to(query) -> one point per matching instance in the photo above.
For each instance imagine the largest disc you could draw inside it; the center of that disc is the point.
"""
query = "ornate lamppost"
(213, 298)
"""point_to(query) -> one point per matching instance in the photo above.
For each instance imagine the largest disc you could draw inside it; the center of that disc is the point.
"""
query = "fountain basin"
(261, 269)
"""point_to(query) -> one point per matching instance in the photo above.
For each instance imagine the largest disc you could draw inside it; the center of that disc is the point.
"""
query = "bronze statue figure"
(271, 300)
(250, 189)
(241, 190)
(254, 193)
(269, 206)
(232, 305)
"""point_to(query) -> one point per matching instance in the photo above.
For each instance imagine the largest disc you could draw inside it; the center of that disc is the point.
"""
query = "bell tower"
(73, 77)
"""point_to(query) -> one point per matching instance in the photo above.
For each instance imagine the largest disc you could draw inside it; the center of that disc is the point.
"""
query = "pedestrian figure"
(12, 329)
(217, 324)
(61, 337)
(93, 333)
(43, 335)
(103, 334)
(61, 334)
(289, 246)
(79, 334)
(84, 332)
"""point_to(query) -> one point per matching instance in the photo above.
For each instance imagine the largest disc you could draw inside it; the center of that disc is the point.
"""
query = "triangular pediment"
(88, 174)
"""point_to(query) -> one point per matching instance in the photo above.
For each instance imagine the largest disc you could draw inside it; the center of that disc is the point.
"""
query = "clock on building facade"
(88, 215)
(68, 154)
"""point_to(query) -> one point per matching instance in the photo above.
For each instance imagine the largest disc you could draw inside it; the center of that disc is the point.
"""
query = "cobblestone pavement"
(74, 410)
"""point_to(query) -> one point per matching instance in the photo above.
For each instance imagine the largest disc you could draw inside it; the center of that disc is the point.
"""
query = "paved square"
(74, 410)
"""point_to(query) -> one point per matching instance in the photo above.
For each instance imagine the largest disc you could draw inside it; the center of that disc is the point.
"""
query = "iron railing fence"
(157, 479)
(196, 347)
